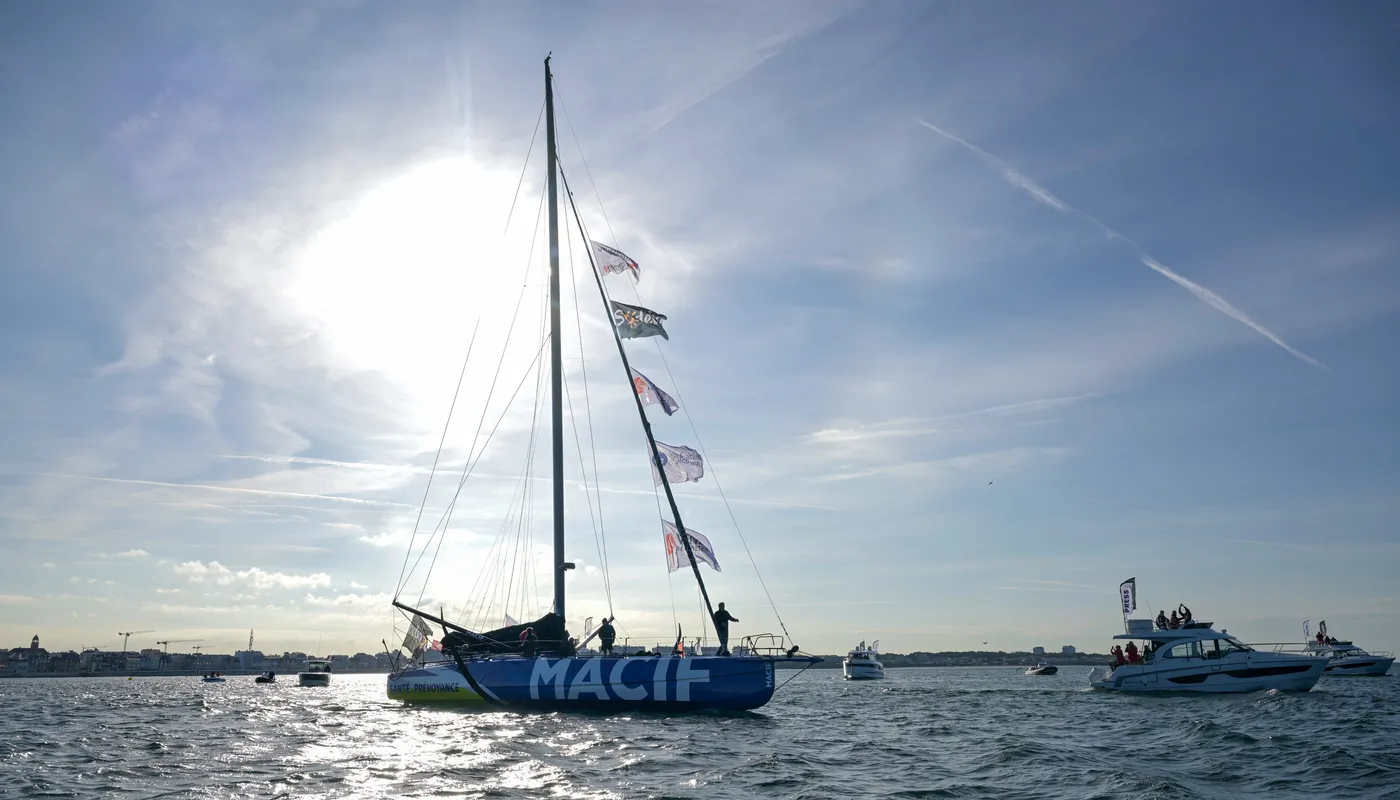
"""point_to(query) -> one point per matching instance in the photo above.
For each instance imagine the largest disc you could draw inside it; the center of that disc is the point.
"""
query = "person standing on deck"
(722, 619)
(606, 636)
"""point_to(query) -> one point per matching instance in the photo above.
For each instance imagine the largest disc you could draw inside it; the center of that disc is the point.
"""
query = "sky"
(975, 310)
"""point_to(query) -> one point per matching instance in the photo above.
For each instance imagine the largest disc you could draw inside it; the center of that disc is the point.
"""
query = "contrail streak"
(1042, 195)
(236, 489)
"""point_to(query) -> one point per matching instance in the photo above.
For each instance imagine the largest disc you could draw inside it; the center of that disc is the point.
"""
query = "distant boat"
(1345, 658)
(266, 677)
(318, 673)
(1043, 669)
(863, 663)
(213, 677)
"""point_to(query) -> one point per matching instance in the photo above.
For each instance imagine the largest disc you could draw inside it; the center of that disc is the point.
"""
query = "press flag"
(1127, 591)
(651, 394)
(635, 322)
(613, 260)
(675, 551)
(681, 464)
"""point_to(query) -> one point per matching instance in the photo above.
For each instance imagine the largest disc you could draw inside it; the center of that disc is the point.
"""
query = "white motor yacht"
(1345, 658)
(318, 673)
(1198, 658)
(863, 663)
(1043, 669)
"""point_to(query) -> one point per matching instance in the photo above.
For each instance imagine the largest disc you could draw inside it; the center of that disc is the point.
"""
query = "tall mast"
(556, 382)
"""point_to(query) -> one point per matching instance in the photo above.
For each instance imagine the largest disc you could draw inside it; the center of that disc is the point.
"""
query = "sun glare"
(397, 285)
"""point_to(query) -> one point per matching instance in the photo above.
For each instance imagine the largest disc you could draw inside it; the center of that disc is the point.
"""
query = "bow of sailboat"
(509, 640)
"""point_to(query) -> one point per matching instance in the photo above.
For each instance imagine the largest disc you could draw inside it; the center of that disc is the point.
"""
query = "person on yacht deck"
(1186, 618)
(1132, 652)
(1117, 653)
(1175, 621)
(1161, 620)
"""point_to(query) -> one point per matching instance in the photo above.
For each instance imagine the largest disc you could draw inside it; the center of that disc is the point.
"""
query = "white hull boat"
(1198, 658)
(1345, 658)
(863, 663)
(318, 673)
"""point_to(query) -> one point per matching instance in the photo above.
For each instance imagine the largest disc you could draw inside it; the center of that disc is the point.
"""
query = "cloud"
(253, 577)
(133, 553)
(49, 565)
(921, 426)
(1042, 195)
(15, 599)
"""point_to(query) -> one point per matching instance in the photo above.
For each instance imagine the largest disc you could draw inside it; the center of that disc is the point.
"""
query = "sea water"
(964, 733)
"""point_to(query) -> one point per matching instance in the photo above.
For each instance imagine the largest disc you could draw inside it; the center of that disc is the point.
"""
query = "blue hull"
(594, 683)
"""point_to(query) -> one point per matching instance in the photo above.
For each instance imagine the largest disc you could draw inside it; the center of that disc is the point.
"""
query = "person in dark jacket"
(722, 619)
(1161, 620)
(606, 636)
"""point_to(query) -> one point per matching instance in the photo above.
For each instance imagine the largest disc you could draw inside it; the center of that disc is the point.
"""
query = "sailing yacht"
(537, 664)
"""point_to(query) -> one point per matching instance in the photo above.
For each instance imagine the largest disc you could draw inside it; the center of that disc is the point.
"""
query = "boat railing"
(1286, 648)
(766, 645)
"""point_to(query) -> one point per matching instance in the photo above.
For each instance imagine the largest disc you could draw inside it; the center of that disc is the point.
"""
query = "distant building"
(1039, 651)
(1067, 650)
(249, 659)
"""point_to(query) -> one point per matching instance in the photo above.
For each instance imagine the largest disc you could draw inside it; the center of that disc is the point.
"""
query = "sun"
(397, 285)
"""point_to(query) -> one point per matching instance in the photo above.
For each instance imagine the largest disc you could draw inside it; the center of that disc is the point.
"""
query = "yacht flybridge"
(1197, 658)
(498, 660)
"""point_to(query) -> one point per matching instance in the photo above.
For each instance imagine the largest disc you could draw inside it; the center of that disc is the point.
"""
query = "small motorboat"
(213, 677)
(318, 673)
(1043, 669)
(863, 663)
(266, 677)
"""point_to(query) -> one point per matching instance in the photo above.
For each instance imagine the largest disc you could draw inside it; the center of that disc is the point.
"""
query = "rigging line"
(579, 146)
(653, 453)
(527, 497)
(524, 167)
(689, 420)
(398, 587)
(466, 468)
(727, 507)
(600, 532)
(471, 466)
(491, 568)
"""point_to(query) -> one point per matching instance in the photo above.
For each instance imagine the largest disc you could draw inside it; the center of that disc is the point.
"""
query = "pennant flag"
(437, 645)
(611, 260)
(675, 551)
(587, 628)
(510, 622)
(651, 394)
(635, 322)
(421, 625)
(681, 464)
(1127, 591)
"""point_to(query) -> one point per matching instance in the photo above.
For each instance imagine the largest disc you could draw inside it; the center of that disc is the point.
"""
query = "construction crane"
(127, 635)
(164, 644)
